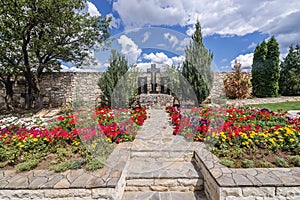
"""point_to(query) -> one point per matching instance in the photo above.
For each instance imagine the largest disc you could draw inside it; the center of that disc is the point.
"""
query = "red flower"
(60, 118)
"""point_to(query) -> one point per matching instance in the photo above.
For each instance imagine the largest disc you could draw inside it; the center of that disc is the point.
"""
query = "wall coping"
(245, 177)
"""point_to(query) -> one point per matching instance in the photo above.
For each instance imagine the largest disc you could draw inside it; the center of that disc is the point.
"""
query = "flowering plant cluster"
(227, 127)
(21, 141)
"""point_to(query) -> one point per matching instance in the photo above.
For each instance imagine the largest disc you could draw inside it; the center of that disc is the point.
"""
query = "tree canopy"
(265, 69)
(290, 72)
(196, 67)
(36, 36)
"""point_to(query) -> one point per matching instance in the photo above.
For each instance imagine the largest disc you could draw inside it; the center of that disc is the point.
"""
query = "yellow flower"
(108, 140)
(292, 140)
(35, 139)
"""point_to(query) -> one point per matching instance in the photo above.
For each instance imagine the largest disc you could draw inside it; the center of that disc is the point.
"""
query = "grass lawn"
(283, 106)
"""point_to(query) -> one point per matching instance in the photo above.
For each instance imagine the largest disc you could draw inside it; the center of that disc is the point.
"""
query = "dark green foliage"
(37, 35)
(290, 73)
(118, 66)
(196, 67)
(265, 69)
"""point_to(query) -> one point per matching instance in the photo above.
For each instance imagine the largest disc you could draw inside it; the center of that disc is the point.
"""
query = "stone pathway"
(161, 165)
(263, 100)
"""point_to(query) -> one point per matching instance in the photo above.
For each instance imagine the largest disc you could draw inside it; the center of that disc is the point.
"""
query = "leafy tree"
(46, 32)
(196, 67)
(118, 66)
(8, 72)
(290, 72)
(265, 69)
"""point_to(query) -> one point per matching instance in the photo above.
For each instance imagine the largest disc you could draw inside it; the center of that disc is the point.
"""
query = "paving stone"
(63, 183)
(74, 174)
(18, 182)
(52, 180)
(37, 182)
(81, 181)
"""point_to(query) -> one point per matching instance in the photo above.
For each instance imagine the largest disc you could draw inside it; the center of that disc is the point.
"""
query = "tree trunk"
(37, 91)
(9, 93)
(28, 92)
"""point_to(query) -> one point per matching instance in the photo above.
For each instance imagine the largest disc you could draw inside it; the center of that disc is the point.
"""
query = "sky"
(158, 31)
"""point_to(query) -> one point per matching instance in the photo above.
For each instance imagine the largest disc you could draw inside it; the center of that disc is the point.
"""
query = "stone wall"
(69, 87)
(218, 90)
(223, 183)
(61, 88)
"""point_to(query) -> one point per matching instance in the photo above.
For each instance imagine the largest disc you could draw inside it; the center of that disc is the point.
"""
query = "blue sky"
(157, 31)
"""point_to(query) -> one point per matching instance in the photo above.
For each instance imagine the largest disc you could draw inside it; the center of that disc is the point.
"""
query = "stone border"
(105, 183)
(223, 183)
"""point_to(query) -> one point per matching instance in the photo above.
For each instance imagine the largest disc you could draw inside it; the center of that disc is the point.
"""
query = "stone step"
(162, 156)
(163, 176)
(199, 195)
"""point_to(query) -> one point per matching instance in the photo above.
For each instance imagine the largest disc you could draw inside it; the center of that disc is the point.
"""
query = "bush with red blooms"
(174, 117)
(240, 127)
(20, 143)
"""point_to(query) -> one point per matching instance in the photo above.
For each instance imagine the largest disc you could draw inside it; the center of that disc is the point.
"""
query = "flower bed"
(243, 137)
(77, 139)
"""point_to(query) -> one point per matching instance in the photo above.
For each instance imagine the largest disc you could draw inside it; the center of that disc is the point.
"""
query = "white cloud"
(64, 68)
(129, 49)
(224, 60)
(162, 58)
(91, 8)
(246, 60)
(224, 67)
(225, 17)
(172, 39)
(146, 36)
(182, 45)
(252, 45)
(115, 23)
(178, 60)
(158, 58)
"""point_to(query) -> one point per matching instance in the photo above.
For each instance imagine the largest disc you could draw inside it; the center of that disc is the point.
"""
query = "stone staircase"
(161, 166)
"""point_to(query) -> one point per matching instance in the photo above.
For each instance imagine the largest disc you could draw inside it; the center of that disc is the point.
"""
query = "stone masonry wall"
(61, 88)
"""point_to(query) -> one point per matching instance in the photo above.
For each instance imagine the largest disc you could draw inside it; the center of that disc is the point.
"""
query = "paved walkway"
(161, 165)
(263, 100)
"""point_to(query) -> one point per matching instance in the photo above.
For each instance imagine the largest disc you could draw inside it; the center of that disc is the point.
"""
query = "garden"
(79, 139)
(243, 137)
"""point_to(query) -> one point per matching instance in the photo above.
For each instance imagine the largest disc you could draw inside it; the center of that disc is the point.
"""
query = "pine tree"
(265, 69)
(196, 67)
(118, 66)
(272, 68)
(290, 73)
(258, 68)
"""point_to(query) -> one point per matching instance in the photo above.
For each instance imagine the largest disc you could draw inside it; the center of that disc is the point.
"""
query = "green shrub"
(61, 167)
(266, 164)
(27, 165)
(281, 162)
(295, 160)
(94, 164)
(77, 164)
(247, 163)
(118, 66)
(227, 162)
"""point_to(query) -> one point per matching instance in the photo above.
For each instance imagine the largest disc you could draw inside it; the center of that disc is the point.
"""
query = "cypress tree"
(289, 83)
(265, 69)
(196, 67)
(259, 57)
(117, 68)
(272, 69)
